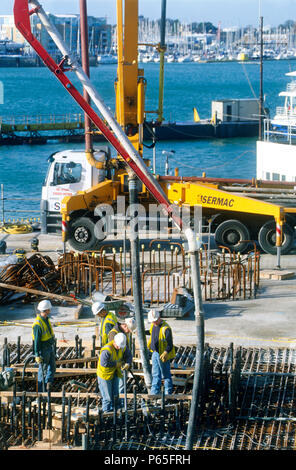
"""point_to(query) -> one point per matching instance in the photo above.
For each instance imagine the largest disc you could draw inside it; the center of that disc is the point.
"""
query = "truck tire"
(82, 234)
(232, 233)
(267, 238)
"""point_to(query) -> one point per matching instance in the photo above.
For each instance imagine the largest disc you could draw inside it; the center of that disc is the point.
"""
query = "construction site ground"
(269, 320)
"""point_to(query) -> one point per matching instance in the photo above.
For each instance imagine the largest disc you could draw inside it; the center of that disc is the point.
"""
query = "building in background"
(100, 33)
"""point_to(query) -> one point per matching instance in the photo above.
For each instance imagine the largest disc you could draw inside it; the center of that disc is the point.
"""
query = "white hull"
(275, 161)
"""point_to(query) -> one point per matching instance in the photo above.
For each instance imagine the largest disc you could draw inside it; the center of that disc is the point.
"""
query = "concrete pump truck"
(77, 183)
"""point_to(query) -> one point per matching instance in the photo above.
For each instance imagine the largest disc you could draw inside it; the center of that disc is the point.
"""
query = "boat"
(107, 59)
(171, 58)
(276, 152)
(285, 116)
(185, 58)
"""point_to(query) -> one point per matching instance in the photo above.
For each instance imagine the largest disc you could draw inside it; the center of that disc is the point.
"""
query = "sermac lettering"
(217, 201)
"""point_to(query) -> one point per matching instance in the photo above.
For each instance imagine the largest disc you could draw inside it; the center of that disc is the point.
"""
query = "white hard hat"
(153, 315)
(130, 323)
(97, 307)
(44, 305)
(120, 340)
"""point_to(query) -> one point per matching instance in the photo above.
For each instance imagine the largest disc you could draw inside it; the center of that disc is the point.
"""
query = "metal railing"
(18, 214)
(284, 111)
(42, 119)
(272, 134)
(224, 275)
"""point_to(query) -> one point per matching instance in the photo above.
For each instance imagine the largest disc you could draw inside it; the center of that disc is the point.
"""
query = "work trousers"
(47, 368)
(109, 390)
(161, 370)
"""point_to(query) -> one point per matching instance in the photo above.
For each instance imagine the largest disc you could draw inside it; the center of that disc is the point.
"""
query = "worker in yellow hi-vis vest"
(114, 357)
(161, 345)
(108, 320)
(44, 346)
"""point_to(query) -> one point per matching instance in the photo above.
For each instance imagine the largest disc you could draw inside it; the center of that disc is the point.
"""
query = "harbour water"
(34, 91)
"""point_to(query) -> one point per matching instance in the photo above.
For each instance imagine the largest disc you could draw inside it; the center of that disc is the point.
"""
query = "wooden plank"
(39, 293)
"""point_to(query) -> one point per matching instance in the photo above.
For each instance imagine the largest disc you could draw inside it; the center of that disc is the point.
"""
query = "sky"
(228, 12)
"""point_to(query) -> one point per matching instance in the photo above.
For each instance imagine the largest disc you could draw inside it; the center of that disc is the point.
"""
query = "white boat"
(276, 152)
(107, 59)
(147, 58)
(185, 58)
(170, 58)
(285, 116)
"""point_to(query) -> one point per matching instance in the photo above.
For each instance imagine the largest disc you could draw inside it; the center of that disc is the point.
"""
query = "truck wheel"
(267, 238)
(232, 233)
(82, 234)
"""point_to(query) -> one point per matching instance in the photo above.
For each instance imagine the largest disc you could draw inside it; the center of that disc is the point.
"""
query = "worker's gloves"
(163, 356)
(38, 359)
(126, 367)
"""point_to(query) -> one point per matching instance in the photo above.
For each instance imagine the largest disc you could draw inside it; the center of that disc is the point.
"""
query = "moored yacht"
(285, 116)
(276, 152)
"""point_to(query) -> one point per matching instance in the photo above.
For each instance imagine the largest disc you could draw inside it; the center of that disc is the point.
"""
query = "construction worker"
(108, 320)
(44, 345)
(161, 345)
(126, 326)
(114, 357)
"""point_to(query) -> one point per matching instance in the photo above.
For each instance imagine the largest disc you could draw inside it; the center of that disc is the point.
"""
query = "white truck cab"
(68, 172)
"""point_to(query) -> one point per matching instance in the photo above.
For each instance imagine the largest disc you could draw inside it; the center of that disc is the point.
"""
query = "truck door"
(65, 179)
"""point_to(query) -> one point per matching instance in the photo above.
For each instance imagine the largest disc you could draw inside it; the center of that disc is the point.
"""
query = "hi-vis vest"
(47, 332)
(116, 355)
(110, 318)
(162, 342)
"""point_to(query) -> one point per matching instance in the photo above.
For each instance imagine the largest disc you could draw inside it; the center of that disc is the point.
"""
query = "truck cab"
(68, 172)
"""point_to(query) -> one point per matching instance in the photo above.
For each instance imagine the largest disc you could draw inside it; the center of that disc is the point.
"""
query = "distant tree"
(205, 27)
(287, 24)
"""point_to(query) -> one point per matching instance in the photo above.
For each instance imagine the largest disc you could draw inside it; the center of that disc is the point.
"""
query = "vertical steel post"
(199, 323)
